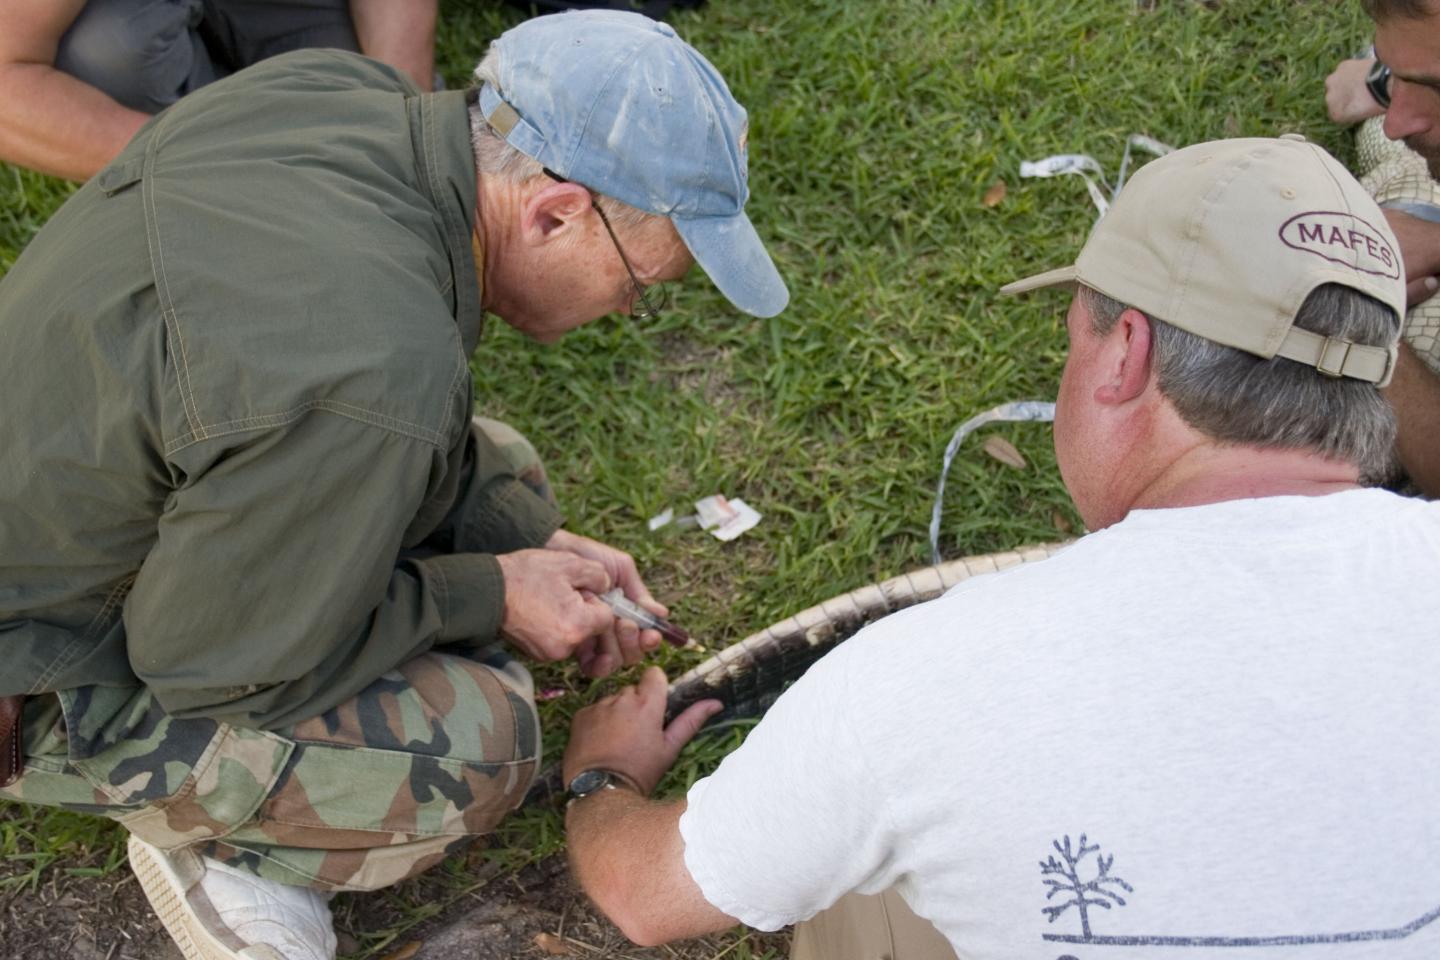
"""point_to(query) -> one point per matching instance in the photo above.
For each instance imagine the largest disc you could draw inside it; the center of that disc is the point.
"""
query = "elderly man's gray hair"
(496, 158)
(1236, 397)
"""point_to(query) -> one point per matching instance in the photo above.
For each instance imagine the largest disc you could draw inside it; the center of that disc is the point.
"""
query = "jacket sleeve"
(493, 512)
(274, 591)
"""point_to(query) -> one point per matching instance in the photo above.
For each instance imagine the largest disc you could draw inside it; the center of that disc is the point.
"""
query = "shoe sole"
(166, 892)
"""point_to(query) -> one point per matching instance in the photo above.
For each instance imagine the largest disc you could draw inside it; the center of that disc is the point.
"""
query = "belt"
(11, 763)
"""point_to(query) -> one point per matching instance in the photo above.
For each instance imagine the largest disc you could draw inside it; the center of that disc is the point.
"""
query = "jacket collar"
(440, 130)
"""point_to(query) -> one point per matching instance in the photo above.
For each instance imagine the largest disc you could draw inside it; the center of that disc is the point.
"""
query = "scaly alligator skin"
(749, 675)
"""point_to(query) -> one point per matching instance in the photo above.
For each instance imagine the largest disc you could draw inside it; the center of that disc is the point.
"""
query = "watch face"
(588, 781)
(1377, 80)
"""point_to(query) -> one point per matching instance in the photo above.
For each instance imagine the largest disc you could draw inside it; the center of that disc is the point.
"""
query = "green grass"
(54, 839)
(876, 128)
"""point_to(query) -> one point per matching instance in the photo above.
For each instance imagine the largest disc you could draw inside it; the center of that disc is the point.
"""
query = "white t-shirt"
(1210, 732)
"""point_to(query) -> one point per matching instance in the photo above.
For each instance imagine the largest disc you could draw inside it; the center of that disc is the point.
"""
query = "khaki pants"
(861, 927)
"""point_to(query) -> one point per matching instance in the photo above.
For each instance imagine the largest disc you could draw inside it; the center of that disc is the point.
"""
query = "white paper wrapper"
(724, 517)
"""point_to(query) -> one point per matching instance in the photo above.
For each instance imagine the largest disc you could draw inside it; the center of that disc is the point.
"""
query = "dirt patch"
(535, 913)
(540, 913)
(78, 916)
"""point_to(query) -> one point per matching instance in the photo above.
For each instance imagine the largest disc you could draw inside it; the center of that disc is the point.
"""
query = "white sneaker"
(216, 912)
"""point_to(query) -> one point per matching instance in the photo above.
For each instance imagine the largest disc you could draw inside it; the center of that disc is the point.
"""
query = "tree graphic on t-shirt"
(1099, 891)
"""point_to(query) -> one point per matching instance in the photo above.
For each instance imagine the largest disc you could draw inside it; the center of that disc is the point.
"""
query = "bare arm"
(626, 852)
(1347, 99)
(1415, 395)
(49, 120)
(1415, 391)
(1420, 249)
(400, 34)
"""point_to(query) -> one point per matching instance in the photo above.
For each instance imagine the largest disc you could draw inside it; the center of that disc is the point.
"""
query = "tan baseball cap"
(1226, 240)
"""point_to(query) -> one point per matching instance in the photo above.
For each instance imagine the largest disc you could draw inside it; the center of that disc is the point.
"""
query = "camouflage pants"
(519, 453)
(382, 787)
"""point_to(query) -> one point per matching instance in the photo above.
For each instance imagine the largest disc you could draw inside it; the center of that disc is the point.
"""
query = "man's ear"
(553, 211)
(1127, 359)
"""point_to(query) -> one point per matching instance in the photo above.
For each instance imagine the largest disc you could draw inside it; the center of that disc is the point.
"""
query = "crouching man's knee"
(391, 782)
(142, 53)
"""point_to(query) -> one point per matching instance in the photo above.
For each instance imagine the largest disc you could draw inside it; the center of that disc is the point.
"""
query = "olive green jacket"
(237, 464)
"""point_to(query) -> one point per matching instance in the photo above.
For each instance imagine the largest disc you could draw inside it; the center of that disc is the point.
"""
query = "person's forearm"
(1420, 250)
(627, 855)
(54, 123)
(400, 34)
(1415, 395)
(607, 854)
(1347, 96)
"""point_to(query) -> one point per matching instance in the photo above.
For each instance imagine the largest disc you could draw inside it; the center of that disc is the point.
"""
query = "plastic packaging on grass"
(725, 518)
(1020, 411)
(1088, 168)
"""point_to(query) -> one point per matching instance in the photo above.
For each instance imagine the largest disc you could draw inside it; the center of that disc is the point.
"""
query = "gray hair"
(496, 158)
(1238, 398)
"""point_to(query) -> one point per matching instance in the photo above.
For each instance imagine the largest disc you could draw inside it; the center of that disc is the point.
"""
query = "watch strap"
(1377, 81)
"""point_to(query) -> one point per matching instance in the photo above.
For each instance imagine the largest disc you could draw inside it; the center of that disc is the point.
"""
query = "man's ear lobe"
(553, 209)
(1128, 359)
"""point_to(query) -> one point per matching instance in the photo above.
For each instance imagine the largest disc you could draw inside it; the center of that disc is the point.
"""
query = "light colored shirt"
(1209, 732)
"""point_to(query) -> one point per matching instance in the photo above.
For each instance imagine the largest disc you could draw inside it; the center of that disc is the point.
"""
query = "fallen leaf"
(1061, 523)
(1004, 451)
(405, 952)
(553, 945)
(995, 194)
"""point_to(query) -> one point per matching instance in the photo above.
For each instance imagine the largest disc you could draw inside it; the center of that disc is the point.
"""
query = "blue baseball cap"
(617, 102)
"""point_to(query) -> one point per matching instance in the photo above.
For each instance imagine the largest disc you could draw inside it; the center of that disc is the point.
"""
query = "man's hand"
(625, 732)
(1347, 98)
(1420, 249)
(626, 851)
(551, 609)
(624, 643)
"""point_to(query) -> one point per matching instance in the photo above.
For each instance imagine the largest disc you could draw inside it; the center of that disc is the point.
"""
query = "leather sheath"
(11, 763)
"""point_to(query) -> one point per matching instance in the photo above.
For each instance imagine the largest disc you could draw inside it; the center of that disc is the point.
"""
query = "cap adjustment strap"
(1338, 357)
(511, 126)
(503, 119)
(1333, 353)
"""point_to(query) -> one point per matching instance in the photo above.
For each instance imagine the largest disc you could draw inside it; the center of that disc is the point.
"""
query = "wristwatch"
(1377, 81)
(596, 779)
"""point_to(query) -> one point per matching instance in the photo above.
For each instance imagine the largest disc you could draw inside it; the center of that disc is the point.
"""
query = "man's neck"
(1208, 473)
(494, 205)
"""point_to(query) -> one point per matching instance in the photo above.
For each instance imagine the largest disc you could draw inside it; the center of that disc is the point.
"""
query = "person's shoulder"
(1356, 513)
(316, 92)
(1014, 600)
(1388, 501)
(318, 70)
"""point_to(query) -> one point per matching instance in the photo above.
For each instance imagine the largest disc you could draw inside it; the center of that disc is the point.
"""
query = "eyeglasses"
(651, 300)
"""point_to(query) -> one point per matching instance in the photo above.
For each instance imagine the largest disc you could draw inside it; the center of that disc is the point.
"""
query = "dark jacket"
(236, 404)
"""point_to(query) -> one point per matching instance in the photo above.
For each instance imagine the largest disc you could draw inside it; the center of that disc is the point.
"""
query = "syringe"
(628, 609)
